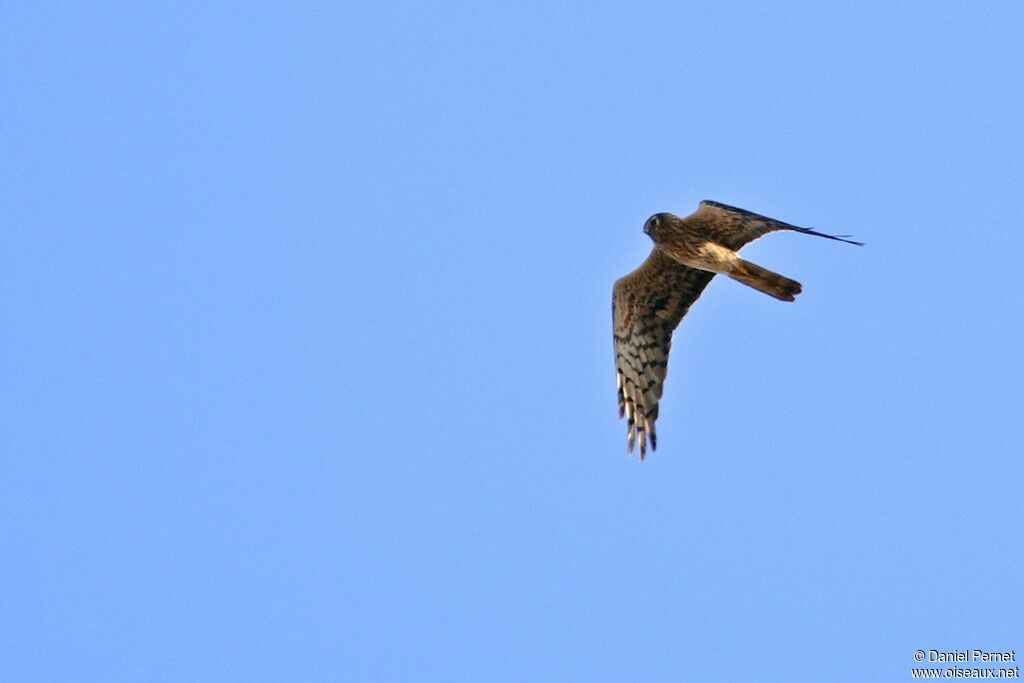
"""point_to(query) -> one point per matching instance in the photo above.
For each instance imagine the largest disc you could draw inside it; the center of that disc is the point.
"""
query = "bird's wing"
(647, 306)
(732, 227)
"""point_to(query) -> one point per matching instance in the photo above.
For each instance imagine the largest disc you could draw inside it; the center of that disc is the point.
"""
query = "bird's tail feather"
(765, 281)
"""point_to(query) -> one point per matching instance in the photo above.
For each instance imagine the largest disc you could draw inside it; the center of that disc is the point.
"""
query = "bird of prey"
(649, 303)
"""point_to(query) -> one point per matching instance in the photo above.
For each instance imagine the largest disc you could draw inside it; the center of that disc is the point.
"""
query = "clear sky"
(307, 366)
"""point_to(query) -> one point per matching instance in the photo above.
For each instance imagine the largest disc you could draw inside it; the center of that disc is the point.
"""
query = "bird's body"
(699, 253)
(649, 303)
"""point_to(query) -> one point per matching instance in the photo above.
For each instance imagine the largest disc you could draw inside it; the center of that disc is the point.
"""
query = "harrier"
(649, 303)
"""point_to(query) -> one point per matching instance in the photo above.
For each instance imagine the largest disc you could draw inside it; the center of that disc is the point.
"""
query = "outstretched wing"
(732, 227)
(647, 306)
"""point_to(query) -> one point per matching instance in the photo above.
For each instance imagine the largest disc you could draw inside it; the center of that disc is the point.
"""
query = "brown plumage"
(649, 303)
(764, 280)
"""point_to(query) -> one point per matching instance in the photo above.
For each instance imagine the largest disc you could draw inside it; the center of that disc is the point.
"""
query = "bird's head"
(656, 224)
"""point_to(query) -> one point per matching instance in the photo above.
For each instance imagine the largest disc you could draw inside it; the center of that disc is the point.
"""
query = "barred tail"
(765, 281)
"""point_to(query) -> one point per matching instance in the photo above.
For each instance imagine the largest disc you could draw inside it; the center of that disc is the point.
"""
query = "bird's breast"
(702, 254)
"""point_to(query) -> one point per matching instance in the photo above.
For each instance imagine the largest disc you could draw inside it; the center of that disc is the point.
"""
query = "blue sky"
(307, 361)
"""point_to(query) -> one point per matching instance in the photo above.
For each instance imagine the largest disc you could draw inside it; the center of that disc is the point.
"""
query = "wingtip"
(846, 238)
(837, 238)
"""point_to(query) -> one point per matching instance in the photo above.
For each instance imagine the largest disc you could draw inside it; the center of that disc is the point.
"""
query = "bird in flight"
(649, 303)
